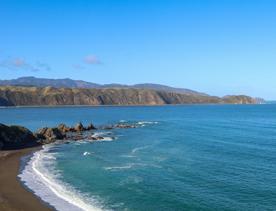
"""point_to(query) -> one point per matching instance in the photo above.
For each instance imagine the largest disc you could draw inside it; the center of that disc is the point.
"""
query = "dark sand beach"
(13, 196)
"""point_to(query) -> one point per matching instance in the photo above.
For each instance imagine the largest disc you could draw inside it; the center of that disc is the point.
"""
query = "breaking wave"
(39, 176)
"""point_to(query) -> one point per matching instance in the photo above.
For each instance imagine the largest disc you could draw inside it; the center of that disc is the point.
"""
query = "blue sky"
(216, 46)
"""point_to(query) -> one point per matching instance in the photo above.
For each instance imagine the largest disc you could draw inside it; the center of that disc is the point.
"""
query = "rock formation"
(91, 127)
(48, 135)
(16, 137)
(63, 128)
(79, 127)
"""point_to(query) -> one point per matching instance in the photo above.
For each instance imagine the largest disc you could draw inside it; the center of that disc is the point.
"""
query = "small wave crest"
(119, 167)
(146, 122)
(139, 149)
(127, 166)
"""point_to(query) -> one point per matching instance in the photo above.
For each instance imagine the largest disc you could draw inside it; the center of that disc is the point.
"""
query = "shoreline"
(13, 194)
(21, 177)
(130, 105)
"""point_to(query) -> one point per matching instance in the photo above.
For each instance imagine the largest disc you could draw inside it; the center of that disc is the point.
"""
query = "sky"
(215, 46)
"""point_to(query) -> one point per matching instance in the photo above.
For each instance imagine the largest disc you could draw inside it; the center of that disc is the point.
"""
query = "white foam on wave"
(45, 183)
(139, 149)
(146, 122)
(127, 166)
(102, 133)
(105, 138)
(86, 153)
(119, 167)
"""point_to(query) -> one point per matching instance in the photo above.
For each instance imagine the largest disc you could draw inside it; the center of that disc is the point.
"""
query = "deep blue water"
(194, 157)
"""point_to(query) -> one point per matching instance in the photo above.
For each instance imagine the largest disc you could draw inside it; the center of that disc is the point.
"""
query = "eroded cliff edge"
(43, 96)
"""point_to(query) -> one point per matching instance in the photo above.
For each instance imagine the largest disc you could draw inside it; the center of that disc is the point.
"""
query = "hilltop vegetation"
(70, 83)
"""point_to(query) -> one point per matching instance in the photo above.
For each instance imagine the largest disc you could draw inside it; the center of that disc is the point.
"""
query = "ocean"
(190, 157)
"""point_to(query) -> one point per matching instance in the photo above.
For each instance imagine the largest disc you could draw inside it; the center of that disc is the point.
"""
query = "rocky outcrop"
(63, 132)
(48, 135)
(63, 128)
(125, 126)
(91, 127)
(30, 96)
(120, 126)
(79, 127)
(16, 137)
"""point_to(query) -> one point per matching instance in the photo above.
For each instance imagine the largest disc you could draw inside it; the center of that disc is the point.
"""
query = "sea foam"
(106, 136)
(45, 183)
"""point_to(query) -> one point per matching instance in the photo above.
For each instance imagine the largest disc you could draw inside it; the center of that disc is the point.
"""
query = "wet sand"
(13, 196)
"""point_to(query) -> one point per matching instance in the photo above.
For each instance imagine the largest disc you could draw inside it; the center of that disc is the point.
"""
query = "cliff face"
(30, 96)
(16, 137)
(239, 99)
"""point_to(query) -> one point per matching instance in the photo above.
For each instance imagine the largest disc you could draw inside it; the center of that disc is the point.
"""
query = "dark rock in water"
(16, 137)
(63, 128)
(79, 127)
(49, 134)
(120, 125)
(95, 138)
(91, 127)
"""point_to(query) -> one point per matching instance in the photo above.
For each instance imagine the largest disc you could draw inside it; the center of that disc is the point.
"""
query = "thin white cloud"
(91, 59)
(21, 64)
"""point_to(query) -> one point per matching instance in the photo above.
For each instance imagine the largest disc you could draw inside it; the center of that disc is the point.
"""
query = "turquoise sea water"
(194, 157)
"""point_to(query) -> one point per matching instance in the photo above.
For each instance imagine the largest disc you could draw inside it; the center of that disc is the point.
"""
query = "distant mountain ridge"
(70, 83)
(44, 82)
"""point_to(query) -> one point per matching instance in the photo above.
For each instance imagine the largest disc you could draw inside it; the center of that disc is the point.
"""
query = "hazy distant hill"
(69, 83)
(271, 102)
(38, 96)
(44, 82)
